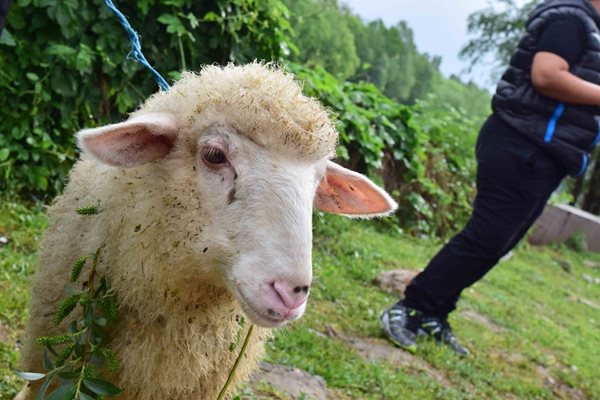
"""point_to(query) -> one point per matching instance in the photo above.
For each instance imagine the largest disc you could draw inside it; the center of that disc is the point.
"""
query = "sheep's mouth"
(255, 315)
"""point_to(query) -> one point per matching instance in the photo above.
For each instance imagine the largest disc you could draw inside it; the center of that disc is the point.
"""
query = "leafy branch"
(78, 356)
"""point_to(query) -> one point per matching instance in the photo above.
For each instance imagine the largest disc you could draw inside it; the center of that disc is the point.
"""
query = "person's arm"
(562, 43)
(551, 77)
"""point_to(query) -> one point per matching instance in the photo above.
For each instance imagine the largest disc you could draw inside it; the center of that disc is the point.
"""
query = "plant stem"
(237, 362)
(87, 329)
(81, 375)
(181, 53)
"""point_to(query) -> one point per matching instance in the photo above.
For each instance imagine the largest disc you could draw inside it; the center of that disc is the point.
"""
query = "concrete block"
(559, 222)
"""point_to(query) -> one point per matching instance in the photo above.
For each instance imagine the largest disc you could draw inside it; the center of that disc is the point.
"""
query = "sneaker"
(401, 325)
(440, 330)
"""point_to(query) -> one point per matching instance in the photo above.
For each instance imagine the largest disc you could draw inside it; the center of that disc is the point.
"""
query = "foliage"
(496, 32)
(377, 133)
(331, 36)
(454, 94)
(423, 154)
(322, 37)
(21, 225)
(63, 67)
(84, 348)
(390, 59)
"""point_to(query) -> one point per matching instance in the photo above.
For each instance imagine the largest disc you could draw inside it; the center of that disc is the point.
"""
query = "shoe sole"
(388, 332)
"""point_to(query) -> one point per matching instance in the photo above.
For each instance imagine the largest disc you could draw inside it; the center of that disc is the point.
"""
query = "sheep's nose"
(293, 295)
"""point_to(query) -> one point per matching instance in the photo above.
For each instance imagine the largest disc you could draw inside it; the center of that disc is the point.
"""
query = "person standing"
(544, 125)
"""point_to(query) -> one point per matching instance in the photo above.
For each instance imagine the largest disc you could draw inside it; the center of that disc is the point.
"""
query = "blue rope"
(136, 47)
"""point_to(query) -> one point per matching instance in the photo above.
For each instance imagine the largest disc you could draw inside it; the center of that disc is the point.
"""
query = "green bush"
(63, 67)
(423, 155)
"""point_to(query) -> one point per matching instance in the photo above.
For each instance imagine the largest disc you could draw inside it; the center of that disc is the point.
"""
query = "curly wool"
(260, 101)
(176, 321)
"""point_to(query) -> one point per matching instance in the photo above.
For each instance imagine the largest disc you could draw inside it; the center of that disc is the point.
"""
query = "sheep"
(206, 196)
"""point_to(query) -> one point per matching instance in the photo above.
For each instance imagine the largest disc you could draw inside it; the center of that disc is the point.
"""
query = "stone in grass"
(483, 320)
(380, 350)
(565, 265)
(560, 389)
(395, 281)
(591, 279)
(293, 382)
(591, 264)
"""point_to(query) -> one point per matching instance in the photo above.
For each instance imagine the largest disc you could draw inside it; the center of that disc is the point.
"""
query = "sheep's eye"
(214, 156)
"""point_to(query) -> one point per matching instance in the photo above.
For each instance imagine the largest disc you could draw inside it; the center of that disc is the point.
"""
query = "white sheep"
(206, 196)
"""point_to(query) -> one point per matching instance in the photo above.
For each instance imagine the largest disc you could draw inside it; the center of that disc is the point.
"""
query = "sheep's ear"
(134, 142)
(346, 192)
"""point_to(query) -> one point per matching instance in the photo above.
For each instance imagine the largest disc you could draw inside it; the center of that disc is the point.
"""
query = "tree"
(63, 67)
(323, 37)
(496, 32)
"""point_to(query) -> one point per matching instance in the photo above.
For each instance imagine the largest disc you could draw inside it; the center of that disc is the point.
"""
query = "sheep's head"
(245, 146)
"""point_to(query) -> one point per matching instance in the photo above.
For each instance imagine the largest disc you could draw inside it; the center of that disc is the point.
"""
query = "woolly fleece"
(176, 320)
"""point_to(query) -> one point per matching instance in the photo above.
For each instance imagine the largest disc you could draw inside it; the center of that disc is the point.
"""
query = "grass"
(22, 226)
(533, 336)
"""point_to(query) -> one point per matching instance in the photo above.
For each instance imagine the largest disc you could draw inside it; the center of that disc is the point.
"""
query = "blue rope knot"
(136, 47)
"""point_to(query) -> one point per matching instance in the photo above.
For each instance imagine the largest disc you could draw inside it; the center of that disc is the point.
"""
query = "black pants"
(515, 178)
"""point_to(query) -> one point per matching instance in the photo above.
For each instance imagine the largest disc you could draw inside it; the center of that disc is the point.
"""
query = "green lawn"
(533, 328)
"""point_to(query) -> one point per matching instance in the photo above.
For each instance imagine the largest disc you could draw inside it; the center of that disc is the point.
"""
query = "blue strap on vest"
(597, 139)
(560, 108)
(584, 164)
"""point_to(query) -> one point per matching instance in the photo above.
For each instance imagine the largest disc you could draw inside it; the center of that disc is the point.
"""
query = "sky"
(439, 26)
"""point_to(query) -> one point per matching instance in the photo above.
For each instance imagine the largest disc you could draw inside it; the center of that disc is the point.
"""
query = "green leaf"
(61, 50)
(46, 362)
(47, 382)
(7, 39)
(101, 387)
(83, 396)
(173, 23)
(66, 392)
(4, 153)
(194, 23)
(32, 76)
(29, 376)
(210, 17)
(69, 375)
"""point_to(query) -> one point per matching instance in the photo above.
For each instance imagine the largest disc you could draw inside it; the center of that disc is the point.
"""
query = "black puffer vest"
(567, 131)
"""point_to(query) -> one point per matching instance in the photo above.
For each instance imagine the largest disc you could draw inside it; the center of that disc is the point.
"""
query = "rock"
(591, 264)
(395, 281)
(294, 382)
(588, 303)
(3, 240)
(381, 350)
(331, 332)
(591, 279)
(560, 389)
(565, 265)
(483, 320)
